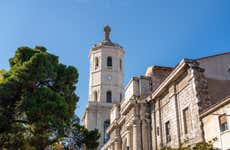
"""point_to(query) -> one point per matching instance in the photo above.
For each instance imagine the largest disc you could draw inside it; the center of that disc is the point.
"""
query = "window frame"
(167, 132)
(106, 135)
(223, 127)
(96, 63)
(121, 64)
(109, 96)
(109, 62)
(121, 97)
(186, 120)
(95, 96)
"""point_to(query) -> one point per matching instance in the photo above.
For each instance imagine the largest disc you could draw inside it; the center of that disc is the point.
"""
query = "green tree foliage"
(37, 99)
(78, 136)
(2, 71)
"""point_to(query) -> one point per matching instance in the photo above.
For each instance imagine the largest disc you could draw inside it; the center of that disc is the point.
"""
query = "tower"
(105, 84)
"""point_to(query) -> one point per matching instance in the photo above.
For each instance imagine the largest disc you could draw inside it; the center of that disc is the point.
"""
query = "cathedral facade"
(165, 107)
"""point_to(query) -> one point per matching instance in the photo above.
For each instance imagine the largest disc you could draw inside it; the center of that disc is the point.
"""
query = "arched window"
(108, 96)
(96, 62)
(120, 64)
(106, 135)
(109, 61)
(120, 96)
(95, 96)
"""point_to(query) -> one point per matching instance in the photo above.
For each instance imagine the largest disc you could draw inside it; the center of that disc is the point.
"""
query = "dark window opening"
(120, 64)
(106, 135)
(108, 96)
(167, 131)
(95, 96)
(109, 62)
(96, 62)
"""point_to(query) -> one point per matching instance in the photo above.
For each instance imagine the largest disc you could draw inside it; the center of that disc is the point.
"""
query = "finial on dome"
(107, 31)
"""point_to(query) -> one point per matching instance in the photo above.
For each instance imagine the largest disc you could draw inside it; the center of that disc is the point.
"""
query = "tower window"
(95, 96)
(120, 64)
(108, 96)
(96, 62)
(109, 61)
(120, 97)
(106, 135)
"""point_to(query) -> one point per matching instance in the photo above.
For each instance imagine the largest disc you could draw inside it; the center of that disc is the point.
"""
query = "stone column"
(128, 139)
(145, 135)
(109, 147)
(117, 145)
(175, 132)
(153, 127)
(113, 146)
(136, 135)
(160, 123)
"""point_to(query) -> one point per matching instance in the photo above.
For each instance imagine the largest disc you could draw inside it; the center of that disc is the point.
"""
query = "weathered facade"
(168, 112)
(166, 107)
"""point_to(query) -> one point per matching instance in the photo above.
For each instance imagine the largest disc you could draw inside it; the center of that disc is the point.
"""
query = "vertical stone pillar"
(175, 132)
(145, 135)
(160, 124)
(117, 145)
(113, 146)
(153, 127)
(136, 135)
(200, 89)
(129, 138)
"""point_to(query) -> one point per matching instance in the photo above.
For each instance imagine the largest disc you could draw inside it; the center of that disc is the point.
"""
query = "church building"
(165, 107)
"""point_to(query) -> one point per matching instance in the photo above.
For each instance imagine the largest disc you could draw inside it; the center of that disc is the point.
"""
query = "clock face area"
(109, 77)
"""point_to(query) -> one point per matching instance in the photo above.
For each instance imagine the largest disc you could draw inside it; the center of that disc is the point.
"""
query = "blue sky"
(153, 32)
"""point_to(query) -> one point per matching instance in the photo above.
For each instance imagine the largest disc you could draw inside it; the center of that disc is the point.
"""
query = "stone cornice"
(179, 68)
(97, 106)
(99, 47)
(126, 106)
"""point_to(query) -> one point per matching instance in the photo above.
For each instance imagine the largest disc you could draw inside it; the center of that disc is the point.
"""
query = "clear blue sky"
(153, 32)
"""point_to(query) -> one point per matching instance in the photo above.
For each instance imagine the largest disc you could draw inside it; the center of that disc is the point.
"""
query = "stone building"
(169, 107)
(166, 107)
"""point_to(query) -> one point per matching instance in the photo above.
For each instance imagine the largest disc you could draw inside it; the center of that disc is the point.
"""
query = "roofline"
(213, 55)
(156, 67)
(130, 81)
(216, 106)
(169, 78)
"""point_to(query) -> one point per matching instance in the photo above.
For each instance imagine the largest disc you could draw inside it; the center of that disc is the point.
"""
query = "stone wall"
(217, 66)
(169, 106)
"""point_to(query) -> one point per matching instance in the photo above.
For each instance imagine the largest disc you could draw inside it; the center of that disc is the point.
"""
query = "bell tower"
(105, 84)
